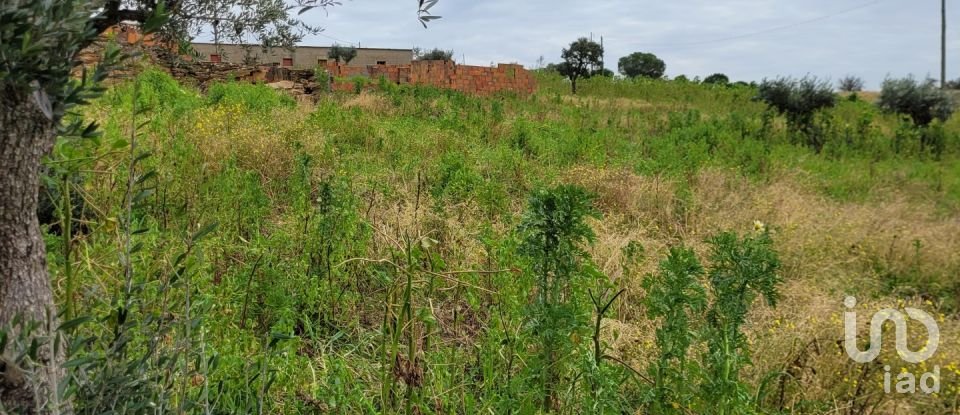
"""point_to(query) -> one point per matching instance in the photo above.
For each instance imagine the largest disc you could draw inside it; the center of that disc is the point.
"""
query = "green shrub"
(799, 100)
(253, 97)
(923, 102)
(322, 77)
(359, 83)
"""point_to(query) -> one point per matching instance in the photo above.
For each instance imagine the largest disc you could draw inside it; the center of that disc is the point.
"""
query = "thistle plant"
(741, 270)
(676, 295)
(553, 231)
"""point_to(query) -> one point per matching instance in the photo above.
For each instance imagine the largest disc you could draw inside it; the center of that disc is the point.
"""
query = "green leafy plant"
(676, 296)
(322, 78)
(741, 270)
(553, 231)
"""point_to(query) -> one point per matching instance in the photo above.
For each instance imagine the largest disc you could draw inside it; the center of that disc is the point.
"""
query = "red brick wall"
(478, 80)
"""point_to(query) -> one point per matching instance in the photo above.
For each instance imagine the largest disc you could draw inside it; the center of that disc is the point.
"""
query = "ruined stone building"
(301, 57)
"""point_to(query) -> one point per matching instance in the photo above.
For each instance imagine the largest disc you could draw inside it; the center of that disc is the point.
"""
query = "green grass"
(369, 253)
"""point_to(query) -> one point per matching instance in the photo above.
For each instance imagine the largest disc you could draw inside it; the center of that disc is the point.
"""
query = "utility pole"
(603, 56)
(943, 44)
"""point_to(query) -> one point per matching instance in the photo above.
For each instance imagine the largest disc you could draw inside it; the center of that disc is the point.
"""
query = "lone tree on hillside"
(717, 79)
(342, 53)
(435, 54)
(850, 84)
(642, 64)
(39, 46)
(579, 59)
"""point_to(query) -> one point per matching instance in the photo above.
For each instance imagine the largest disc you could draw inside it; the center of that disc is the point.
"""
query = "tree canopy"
(435, 54)
(642, 64)
(579, 60)
(342, 53)
(922, 101)
(717, 78)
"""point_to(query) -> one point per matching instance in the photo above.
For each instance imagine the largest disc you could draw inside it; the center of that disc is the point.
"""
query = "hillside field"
(413, 250)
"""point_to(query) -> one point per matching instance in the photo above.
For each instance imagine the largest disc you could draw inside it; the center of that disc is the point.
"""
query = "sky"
(746, 39)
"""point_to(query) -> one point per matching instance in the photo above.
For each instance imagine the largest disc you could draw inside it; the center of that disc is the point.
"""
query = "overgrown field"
(421, 251)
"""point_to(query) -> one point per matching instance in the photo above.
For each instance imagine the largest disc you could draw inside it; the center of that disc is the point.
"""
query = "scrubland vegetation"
(645, 246)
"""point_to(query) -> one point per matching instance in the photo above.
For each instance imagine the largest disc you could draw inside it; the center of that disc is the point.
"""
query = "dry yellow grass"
(828, 249)
(375, 103)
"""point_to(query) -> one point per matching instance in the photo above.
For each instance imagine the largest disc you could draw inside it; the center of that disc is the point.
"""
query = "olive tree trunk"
(26, 135)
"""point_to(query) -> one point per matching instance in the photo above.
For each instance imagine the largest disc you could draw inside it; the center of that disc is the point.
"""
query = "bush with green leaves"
(799, 100)
(923, 101)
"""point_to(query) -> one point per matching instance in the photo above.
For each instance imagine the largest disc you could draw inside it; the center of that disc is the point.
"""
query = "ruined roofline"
(298, 47)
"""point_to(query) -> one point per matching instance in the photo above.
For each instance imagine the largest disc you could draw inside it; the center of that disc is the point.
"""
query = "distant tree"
(923, 102)
(717, 78)
(799, 100)
(642, 64)
(850, 84)
(604, 72)
(435, 54)
(342, 53)
(578, 59)
(681, 78)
